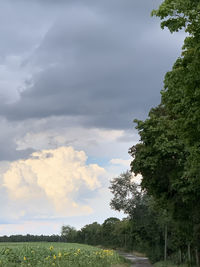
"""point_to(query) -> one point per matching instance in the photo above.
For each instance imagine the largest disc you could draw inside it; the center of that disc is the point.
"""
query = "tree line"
(148, 228)
(141, 230)
(32, 238)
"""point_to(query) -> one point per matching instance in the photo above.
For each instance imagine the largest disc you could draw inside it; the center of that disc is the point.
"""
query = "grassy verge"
(123, 263)
(168, 264)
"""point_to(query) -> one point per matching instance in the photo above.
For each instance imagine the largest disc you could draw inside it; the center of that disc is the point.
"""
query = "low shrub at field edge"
(41, 256)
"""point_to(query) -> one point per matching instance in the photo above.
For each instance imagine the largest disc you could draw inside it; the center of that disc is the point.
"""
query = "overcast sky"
(73, 76)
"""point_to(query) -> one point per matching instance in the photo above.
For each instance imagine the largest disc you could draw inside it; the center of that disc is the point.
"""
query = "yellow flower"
(24, 258)
(54, 256)
(51, 248)
(78, 250)
(59, 254)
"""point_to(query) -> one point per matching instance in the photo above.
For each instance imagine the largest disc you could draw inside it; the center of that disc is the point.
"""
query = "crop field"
(56, 254)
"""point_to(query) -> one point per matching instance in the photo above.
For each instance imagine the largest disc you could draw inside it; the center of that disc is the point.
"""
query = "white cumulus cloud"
(54, 176)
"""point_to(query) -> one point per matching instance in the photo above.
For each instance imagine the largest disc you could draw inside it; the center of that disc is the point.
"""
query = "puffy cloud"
(54, 176)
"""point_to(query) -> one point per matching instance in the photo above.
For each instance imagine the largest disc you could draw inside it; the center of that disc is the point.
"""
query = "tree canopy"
(168, 155)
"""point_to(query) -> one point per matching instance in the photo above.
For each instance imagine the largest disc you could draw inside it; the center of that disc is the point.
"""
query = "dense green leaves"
(126, 194)
(159, 158)
(178, 14)
(168, 155)
(68, 233)
(143, 231)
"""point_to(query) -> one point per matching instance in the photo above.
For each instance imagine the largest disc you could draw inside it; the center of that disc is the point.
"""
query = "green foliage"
(90, 234)
(68, 233)
(181, 97)
(109, 233)
(168, 155)
(168, 264)
(126, 194)
(31, 238)
(160, 158)
(178, 14)
(142, 232)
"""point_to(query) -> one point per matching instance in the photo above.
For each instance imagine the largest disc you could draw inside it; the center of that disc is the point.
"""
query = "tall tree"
(181, 93)
(108, 231)
(68, 233)
(159, 158)
(92, 234)
(168, 156)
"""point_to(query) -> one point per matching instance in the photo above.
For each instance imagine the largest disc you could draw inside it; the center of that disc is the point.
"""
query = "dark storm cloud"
(9, 152)
(19, 28)
(102, 60)
(8, 135)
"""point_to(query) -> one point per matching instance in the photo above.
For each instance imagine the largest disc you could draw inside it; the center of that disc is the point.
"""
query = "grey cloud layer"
(68, 70)
(8, 135)
(103, 61)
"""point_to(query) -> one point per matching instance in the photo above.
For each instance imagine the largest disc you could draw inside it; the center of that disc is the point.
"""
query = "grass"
(168, 264)
(44, 254)
(121, 265)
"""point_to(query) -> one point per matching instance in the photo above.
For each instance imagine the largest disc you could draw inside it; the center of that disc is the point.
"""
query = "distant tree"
(91, 234)
(142, 232)
(126, 194)
(31, 238)
(68, 233)
(108, 230)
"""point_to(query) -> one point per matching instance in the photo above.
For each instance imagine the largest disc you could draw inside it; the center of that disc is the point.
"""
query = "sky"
(73, 77)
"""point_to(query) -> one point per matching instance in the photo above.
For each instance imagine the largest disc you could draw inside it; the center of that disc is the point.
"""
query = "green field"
(57, 254)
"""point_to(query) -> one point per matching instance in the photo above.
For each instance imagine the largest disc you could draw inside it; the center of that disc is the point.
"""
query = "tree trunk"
(180, 256)
(197, 257)
(165, 252)
(189, 253)
(125, 241)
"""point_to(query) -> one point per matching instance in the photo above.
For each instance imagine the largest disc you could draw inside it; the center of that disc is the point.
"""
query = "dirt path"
(137, 261)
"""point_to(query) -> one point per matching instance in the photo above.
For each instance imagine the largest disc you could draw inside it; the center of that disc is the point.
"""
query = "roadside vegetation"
(169, 264)
(168, 154)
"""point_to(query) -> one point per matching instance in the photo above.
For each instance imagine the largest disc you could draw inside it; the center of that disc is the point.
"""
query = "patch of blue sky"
(101, 161)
